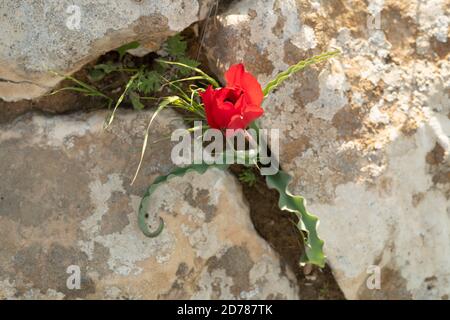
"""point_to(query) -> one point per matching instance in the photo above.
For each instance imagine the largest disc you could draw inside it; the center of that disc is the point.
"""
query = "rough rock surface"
(366, 135)
(65, 200)
(40, 36)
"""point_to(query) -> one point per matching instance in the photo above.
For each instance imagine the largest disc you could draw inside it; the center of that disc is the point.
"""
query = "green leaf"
(75, 89)
(99, 71)
(82, 88)
(148, 82)
(183, 80)
(145, 202)
(297, 67)
(307, 223)
(107, 67)
(188, 62)
(199, 71)
(248, 177)
(136, 101)
(176, 46)
(166, 102)
(119, 101)
(123, 49)
(160, 67)
(96, 75)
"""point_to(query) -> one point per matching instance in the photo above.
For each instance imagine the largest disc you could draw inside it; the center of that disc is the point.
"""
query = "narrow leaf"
(297, 67)
(207, 78)
(136, 101)
(189, 62)
(119, 101)
(307, 223)
(167, 101)
(83, 88)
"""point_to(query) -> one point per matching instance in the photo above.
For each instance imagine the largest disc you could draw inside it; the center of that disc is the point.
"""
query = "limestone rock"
(365, 135)
(66, 205)
(40, 36)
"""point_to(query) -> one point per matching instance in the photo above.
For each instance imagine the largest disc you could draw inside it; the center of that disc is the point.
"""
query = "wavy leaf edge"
(307, 223)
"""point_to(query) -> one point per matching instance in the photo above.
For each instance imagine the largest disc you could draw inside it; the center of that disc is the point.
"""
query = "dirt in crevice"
(68, 101)
(61, 103)
(274, 225)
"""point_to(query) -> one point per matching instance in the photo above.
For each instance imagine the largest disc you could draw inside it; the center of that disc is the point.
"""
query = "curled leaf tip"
(153, 234)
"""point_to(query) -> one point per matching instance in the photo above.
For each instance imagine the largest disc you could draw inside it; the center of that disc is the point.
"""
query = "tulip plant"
(236, 106)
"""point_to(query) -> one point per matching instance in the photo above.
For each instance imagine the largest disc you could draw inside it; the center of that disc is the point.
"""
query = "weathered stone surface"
(65, 200)
(366, 135)
(40, 36)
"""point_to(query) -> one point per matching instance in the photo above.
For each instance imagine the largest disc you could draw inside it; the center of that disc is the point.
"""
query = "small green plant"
(324, 291)
(177, 82)
(143, 82)
(196, 99)
(248, 176)
(83, 88)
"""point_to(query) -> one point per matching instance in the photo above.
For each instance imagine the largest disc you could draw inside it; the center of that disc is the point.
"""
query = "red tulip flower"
(237, 104)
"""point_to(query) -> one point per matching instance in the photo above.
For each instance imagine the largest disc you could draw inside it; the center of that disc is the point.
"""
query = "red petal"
(237, 122)
(225, 110)
(234, 74)
(223, 114)
(247, 114)
(252, 89)
(222, 93)
(252, 112)
(209, 101)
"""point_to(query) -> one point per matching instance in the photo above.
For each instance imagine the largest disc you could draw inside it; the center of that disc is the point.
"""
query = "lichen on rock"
(42, 36)
(66, 199)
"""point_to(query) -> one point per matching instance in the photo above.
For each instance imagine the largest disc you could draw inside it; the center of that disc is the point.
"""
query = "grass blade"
(297, 67)
(206, 77)
(119, 101)
(166, 102)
